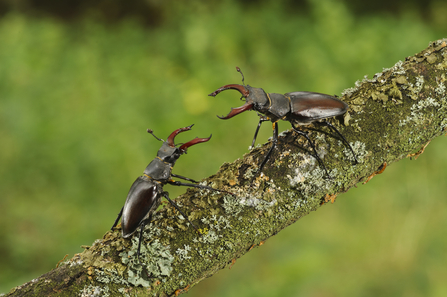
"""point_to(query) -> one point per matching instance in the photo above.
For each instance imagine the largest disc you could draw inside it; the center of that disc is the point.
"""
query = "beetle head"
(169, 152)
(255, 98)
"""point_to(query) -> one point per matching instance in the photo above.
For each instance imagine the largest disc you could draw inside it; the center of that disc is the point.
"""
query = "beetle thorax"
(160, 168)
(279, 106)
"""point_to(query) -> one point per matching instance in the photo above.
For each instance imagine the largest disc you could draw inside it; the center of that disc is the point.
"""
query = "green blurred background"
(81, 81)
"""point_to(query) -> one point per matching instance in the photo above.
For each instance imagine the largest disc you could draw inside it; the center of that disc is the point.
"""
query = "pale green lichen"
(210, 237)
(308, 182)
(231, 205)
(183, 253)
(359, 149)
(107, 276)
(220, 223)
(94, 291)
(256, 202)
(250, 173)
(156, 258)
(417, 115)
(413, 90)
(215, 225)
(123, 291)
(299, 203)
(398, 68)
(443, 125)
(348, 92)
(260, 204)
(419, 84)
(440, 89)
(73, 263)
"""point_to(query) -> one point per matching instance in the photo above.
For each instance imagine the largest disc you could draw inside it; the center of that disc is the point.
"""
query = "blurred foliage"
(156, 12)
(77, 97)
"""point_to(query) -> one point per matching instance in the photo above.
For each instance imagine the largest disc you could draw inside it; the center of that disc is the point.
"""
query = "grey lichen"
(183, 253)
(413, 90)
(440, 89)
(398, 68)
(220, 223)
(212, 232)
(231, 205)
(124, 292)
(156, 257)
(348, 92)
(359, 150)
(417, 115)
(258, 202)
(74, 262)
(250, 173)
(419, 84)
(94, 291)
(210, 237)
(310, 181)
(443, 125)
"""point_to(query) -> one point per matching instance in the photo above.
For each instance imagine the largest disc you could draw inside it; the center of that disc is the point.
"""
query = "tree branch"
(392, 116)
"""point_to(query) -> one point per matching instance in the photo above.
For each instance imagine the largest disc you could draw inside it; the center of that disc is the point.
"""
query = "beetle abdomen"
(142, 200)
(307, 107)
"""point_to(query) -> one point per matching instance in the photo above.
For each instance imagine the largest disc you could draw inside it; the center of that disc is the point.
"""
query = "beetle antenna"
(152, 132)
(240, 71)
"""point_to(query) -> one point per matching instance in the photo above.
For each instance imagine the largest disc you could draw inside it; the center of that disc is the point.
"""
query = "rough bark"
(392, 116)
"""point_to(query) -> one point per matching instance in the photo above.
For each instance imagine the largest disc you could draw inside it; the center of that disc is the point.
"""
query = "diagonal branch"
(392, 116)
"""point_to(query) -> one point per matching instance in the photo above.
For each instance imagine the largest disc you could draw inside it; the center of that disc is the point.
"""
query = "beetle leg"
(344, 139)
(118, 218)
(185, 178)
(142, 224)
(312, 144)
(177, 183)
(165, 194)
(261, 120)
(274, 141)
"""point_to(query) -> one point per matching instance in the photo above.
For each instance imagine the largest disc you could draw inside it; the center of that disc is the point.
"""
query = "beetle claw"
(237, 110)
(223, 117)
(242, 89)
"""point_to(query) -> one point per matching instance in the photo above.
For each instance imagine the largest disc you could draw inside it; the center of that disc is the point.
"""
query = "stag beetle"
(298, 108)
(146, 192)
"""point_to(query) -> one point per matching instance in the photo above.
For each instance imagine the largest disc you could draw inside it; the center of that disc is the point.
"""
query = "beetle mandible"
(146, 192)
(298, 108)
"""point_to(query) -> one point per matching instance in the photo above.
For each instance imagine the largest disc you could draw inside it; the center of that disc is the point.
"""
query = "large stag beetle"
(146, 192)
(298, 108)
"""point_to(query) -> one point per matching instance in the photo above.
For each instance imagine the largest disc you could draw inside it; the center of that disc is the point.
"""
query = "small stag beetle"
(298, 108)
(146, 192)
